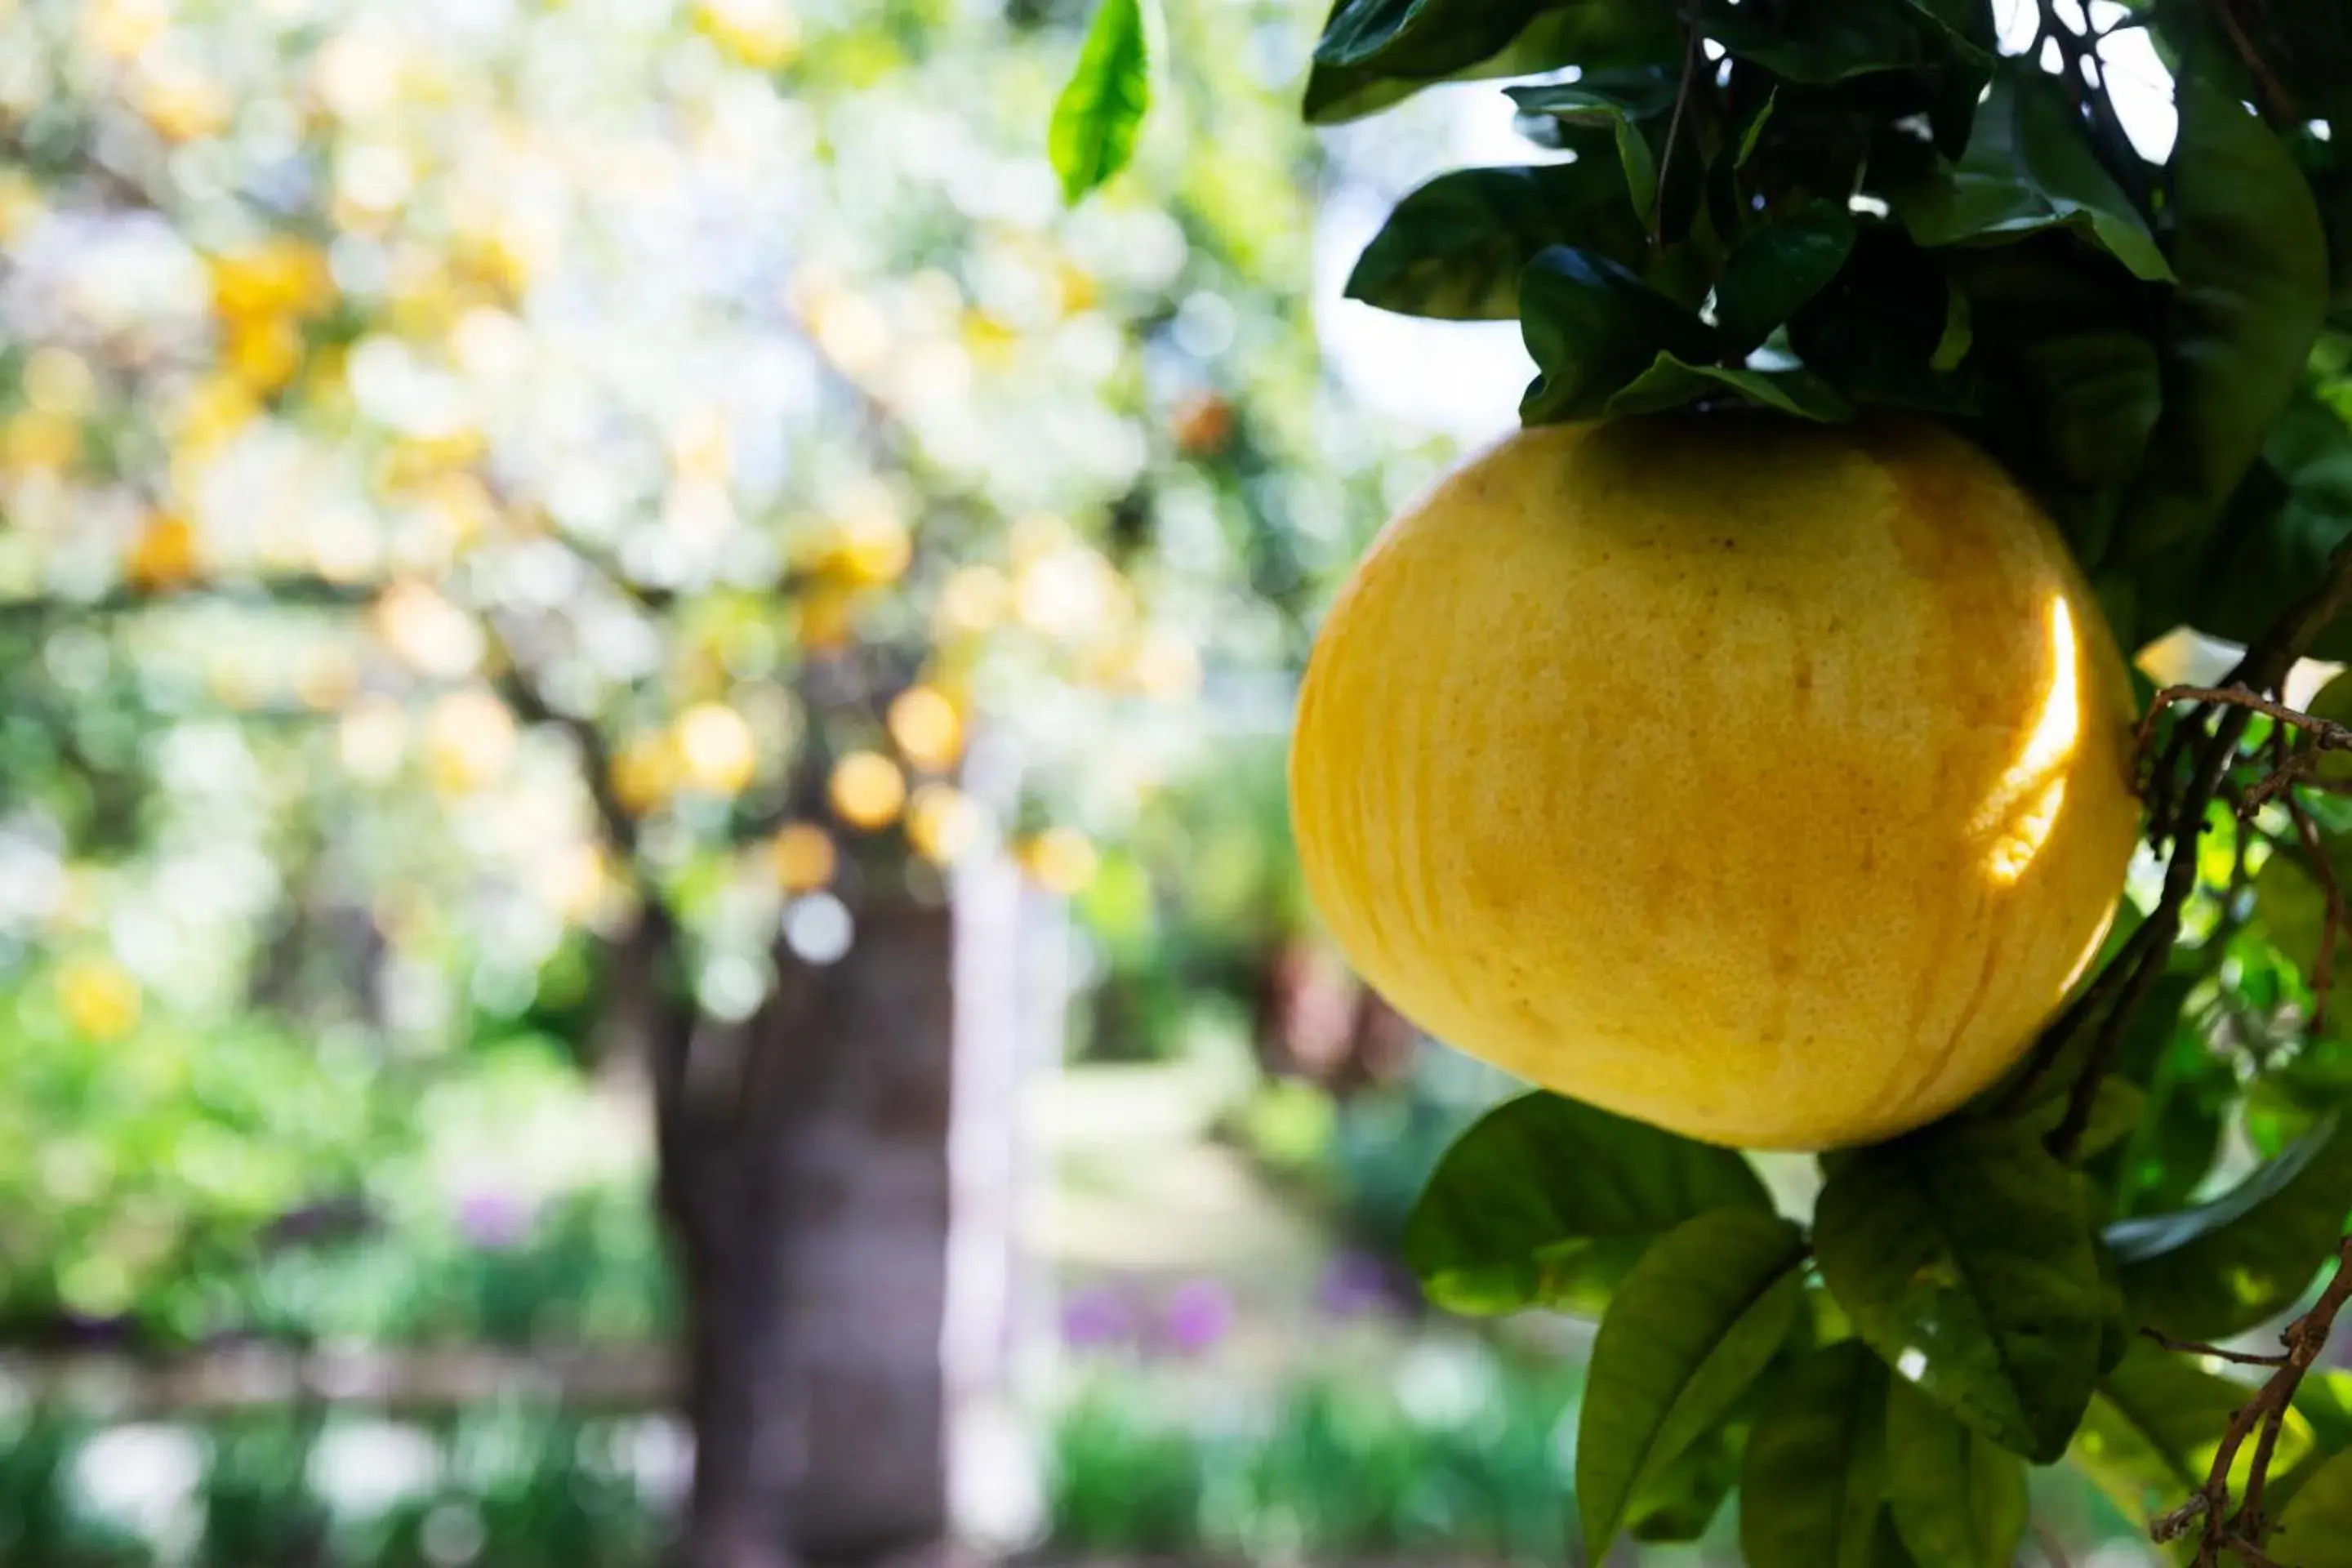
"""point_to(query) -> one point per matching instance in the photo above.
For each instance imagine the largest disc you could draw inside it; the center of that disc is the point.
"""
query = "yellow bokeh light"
(972, 601)
(58, 380)
(99, 999)
(1061, 859)
(644, 771)
(867, 790)
(2024, 803)
(942, 823)
(35, 442)
(469, 739)
(803, 857)
(716, 749)
(927, 728)
(428, 632)
(761, 34)
(164, 553)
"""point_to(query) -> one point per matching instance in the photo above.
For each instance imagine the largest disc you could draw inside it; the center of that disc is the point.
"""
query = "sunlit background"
(562, 562)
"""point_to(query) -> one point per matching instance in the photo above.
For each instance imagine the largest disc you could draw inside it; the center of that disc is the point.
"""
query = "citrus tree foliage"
(1827, 209)
(469, 473)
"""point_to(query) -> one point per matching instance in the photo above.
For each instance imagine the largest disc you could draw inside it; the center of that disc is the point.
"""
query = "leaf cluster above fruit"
(1821, 206)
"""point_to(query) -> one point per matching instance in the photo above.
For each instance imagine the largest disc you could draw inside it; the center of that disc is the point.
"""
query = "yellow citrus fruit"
(1770, 783)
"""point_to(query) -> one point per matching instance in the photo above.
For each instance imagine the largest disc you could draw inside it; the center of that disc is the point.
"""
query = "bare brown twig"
(2179, 810)
(2278, 105)
(2240, 1532)
(2197, 1347)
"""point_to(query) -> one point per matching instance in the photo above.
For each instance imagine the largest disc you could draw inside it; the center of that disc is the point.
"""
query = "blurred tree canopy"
(473, 474)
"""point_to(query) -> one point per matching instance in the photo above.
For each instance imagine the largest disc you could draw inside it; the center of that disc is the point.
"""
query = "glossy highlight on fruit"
(1768, 782)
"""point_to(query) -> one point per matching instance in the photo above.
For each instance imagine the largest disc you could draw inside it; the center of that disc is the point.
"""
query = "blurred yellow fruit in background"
(803, 857)
(927, 728)
(99, 1000)
(1061, 859)
(1769, 783)
(943, 821)
(716, 750)
(867, 789)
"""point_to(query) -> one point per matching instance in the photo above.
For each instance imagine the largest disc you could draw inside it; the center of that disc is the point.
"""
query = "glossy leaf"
(1453, 249)
(2224, 1266)
(1958, 1497)
(1621, 109)
(1689, 1330)
(2252, 262)
(1823, 42)
(1671, 383)
(1964, 1258)
(2149, 1437)
(1593, 328)
(1547, 1200)
(1776, 269)
(1386, 50)
(1809, 1488)
(2286, 518)
(1100, 112)
(2026, 169)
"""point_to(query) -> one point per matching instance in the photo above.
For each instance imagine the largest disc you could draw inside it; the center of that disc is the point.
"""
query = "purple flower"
(1199, 1314)
(1095, 1318)
(495, 1220)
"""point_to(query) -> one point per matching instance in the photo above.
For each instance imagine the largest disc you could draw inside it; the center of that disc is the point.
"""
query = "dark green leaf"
(1547, 1200)
(1670, 383)
(2115, 1110)
(2116, 1331)
(1393, 48)
(1453, 249)
(1881, 331)
(1964, 1260)
(1691, 1326)
(2098, 394)
(1958, 1497)
(2287, 517)
(1809, 1490)
(1593, 328)
(2148, 1439)
(1776, 269)
(1441, 35)
(2168, 1153)
(1620, 108)
(2027, 168)
(1821, 42)
(2224, 1266)
(1681, 1500)
(1101, 109)
(2252, 262)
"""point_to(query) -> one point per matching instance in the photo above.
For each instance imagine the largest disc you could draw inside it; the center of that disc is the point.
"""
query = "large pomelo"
(1766, 781)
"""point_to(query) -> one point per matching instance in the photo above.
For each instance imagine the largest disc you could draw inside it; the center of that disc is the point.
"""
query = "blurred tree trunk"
(804, 1177)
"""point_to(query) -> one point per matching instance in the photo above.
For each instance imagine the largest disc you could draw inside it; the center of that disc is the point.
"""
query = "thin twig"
(2178, 817)
(2241, 1532)
(1674, 132)
(2199, 1347)
(2278, 105)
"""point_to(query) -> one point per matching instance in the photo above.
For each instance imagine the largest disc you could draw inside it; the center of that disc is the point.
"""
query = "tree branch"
(2178, 817)
(2241, 1532)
